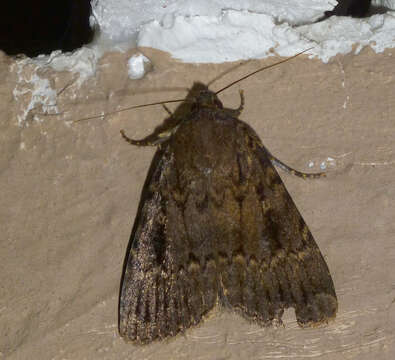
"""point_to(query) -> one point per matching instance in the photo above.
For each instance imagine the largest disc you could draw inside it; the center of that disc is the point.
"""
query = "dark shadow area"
(34, 27)
(354, 8)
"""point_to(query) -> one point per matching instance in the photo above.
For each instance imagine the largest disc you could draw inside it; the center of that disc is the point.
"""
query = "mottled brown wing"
(279, 265)
(164, 290)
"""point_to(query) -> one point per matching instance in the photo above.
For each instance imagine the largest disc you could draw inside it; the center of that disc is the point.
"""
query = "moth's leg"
(292, 171)
(151, 140)
(167, 110)
(241, 107)
(159, 136)
(237, 112)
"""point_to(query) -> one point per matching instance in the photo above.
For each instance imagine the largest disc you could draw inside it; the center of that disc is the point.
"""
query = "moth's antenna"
(261, 69)
(186, 99)
(129, 108)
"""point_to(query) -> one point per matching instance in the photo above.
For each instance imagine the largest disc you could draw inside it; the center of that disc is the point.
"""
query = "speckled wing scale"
(216, 226)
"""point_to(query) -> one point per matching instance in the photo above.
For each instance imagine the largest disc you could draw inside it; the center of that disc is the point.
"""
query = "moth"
(217, 227)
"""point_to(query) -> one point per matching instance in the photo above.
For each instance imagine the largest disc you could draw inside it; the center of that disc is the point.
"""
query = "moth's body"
(217, 226)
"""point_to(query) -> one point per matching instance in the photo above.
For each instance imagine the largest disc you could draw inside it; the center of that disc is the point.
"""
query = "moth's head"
(203, 97)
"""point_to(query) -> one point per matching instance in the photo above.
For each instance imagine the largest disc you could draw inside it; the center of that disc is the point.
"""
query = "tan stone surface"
(69, 195)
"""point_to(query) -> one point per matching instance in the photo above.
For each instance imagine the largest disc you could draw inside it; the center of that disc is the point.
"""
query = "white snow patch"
(138, 65)
(338, 35)
(37, 91)
(182, 36)
(228, 30)
(82, 61)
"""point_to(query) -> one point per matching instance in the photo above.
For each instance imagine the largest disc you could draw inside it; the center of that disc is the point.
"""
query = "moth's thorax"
(207, 143)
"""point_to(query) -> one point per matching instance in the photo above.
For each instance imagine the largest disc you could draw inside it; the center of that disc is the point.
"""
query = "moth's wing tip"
(138, 341)
(159, 336)
(321, 309)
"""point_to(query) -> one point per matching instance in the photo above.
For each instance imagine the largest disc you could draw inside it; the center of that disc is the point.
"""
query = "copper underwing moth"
(217, 227)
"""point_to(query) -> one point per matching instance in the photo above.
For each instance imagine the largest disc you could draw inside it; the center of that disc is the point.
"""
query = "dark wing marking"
(279, 265)
(164, 288)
